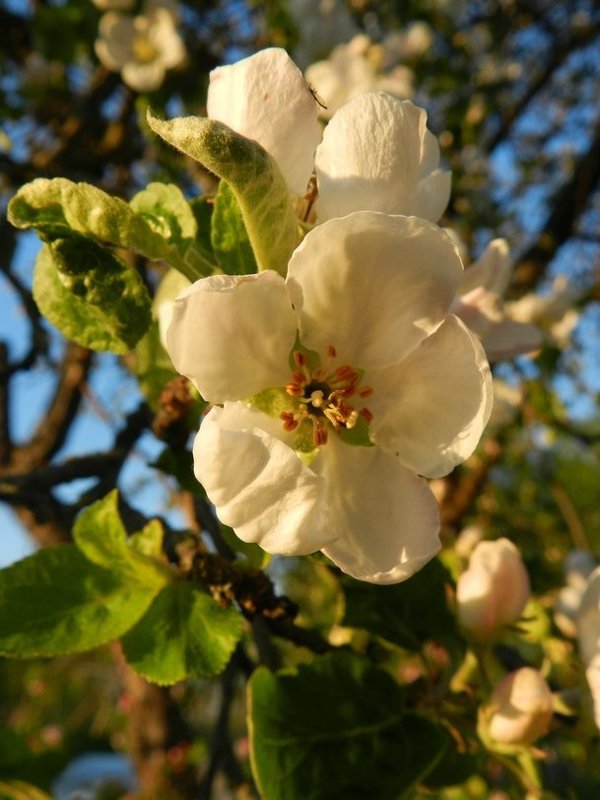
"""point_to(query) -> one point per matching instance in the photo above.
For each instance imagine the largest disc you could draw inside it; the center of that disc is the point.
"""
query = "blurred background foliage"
(512, 88)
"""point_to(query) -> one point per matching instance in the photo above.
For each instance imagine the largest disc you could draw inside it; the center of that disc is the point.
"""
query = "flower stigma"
(322, 397)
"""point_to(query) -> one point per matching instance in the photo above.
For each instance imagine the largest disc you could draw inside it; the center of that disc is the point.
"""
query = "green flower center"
(327, 397)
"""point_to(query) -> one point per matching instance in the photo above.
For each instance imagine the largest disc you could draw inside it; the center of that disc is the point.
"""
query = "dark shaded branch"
(567, 206)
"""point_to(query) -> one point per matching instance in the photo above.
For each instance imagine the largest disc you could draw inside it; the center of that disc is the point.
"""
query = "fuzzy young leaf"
(184, 633)
(112, 315)
(58, 207)
(340, 710)
(165, 209)
(56, 601)
(229, 237)
(253, 176)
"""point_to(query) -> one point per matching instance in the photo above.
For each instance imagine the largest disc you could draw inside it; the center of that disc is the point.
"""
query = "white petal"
(258, 484)
(265, 98)
(434, 405)
(588, 619)
(375, 156)
(492, 270)
(143, 77)
(372, 285)
(232, 335)
(387, 515)
(113, 47)
(431, 195)
(509, 339)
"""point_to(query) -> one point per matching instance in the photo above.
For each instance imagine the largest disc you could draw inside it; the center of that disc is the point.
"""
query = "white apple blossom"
(376, 153)
(588, 635)
(494, 590)
(553, 312)
(322, 24)
(141, 48)
(579, 564)
(340, 387)
(352, 69)
(520, 708)
(480, 304)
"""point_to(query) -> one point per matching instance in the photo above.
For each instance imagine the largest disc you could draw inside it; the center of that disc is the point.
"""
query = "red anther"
(294, 389)
(344, 372)
(317, 374)
(368, 415)
(319, 434)
(331, 351)
(347, 391)
(366, 391)
(290, 423)
(298, 377)
(299, 358)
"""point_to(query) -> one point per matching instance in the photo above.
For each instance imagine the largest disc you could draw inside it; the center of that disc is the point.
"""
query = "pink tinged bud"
(520, 708)
(494, 590)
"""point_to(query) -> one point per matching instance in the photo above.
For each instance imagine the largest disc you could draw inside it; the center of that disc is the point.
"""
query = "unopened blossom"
(141, 48)
(376, 153)
(520, 708)
(494, 590)
(335, 391)
(480, 304)
(352, 69)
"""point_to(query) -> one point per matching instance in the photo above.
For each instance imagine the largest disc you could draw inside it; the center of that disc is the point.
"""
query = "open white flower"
(376, 153)
(141, 48)
(480, 304)
(554, 312)
(340, 386)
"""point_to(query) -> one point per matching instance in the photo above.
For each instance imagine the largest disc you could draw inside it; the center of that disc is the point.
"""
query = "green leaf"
(18, 790)
(100, 536)
(165, 209)
(229, 237)
(254, 177)
(97, 326)
(56, 601)
(152, 366)
(58, 208)
(202, 208)
(184, 633)
(13, 749)
(335, 729)
(149, 541)
(167, 212)
(407, 613)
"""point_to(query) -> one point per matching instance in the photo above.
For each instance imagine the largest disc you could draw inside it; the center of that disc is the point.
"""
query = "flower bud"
(520, 708)
(494, 590)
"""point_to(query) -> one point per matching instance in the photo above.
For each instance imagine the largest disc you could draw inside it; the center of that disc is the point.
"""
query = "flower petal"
(508, 339)
(264, 97)
(372, 285)
(375, 153)
(492, 270)
(433, 407)
(387, 515)
(258, 484)
(232, 335)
